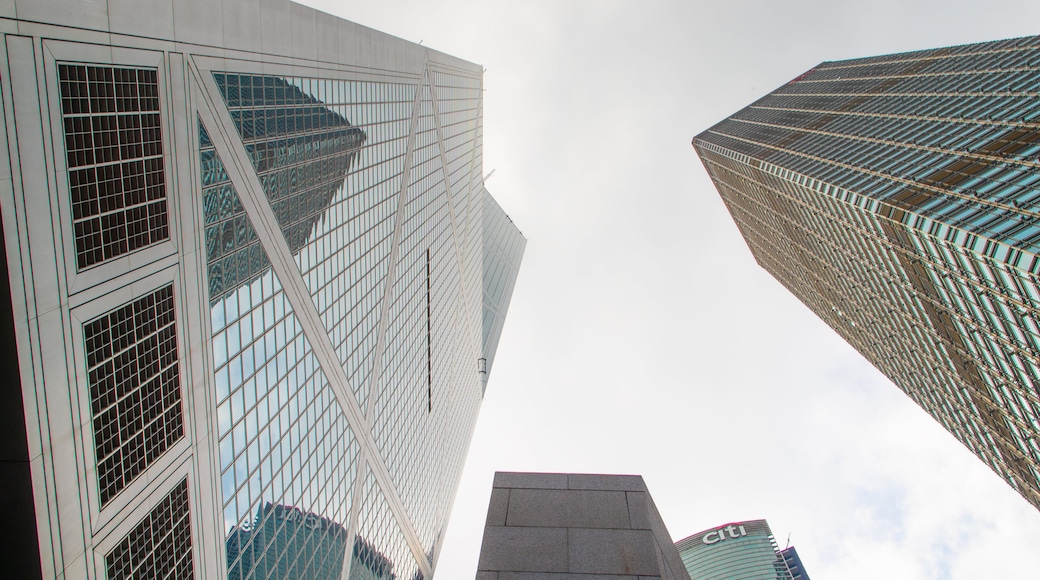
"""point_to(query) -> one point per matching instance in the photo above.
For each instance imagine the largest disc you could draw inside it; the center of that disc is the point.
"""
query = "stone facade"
(558, 526)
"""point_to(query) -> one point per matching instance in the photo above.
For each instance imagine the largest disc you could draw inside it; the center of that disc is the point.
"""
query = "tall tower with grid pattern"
(252, 289)
(898, 197)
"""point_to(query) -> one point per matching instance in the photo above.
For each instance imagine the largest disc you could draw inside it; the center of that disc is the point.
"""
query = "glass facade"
(896, 196)
(503, 248)
(285, 445)
(368, 186)
(303, 149)
(737, 551)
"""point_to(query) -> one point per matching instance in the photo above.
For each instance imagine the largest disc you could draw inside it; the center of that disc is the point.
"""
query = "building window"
(160, 545)
(135, 394)
(113, 141)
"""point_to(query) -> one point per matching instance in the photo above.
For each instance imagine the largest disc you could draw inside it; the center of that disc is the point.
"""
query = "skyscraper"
(898, 197)
(253, 288)
(738, 551)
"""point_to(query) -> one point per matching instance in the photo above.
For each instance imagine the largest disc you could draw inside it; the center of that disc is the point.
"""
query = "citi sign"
(716, 536)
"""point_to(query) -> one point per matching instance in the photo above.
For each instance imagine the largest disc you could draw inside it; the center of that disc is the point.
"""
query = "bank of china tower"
(253, 288)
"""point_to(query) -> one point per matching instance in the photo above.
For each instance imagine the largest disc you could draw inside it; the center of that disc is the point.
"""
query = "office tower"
(253, 287)
(575, 526)
(897, 197)
(738, 551)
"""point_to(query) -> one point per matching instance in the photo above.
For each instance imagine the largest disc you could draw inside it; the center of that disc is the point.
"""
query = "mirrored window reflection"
(380, 550)
(329, 154)
(288, 544)
(287, 454)
(368, 563)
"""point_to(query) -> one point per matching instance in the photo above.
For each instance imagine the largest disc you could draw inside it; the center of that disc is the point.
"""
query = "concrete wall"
(558, 526)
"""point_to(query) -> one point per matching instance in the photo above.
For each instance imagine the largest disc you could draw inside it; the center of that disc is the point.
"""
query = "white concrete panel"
(7, 193)
(197, 22)
(362, 46)
(391, 53)
(63, 432)
(24, 312)
(77, 568)
(327, 37)
(44, 517)
(31, 162)
(275, 36)
(91, 14)
(304, 31)
(379, 52)
(347, 50)
(241, 20)
(151, 18)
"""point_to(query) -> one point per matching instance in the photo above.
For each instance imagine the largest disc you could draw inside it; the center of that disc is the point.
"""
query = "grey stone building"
(558, 526)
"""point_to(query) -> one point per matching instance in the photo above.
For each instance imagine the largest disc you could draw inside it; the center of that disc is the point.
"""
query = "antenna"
(488, 176)
(788, 541)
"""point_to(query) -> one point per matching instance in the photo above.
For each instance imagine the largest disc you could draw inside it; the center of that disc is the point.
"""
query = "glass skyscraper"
(738, 551)
(253, 288)
(898, 197)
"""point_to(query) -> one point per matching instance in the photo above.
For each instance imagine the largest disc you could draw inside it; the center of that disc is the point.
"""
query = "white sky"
(643, 338)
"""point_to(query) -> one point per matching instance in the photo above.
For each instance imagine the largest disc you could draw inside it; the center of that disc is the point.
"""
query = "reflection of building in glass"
(737, 551)
(301, 150)
(257, 286)
(284, 542)
(369, 564)
(896, 196)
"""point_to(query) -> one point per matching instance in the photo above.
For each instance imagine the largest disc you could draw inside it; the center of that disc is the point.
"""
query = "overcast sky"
(643, 338)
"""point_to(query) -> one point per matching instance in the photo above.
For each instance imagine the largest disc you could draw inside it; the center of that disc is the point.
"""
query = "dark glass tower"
(897, 197)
